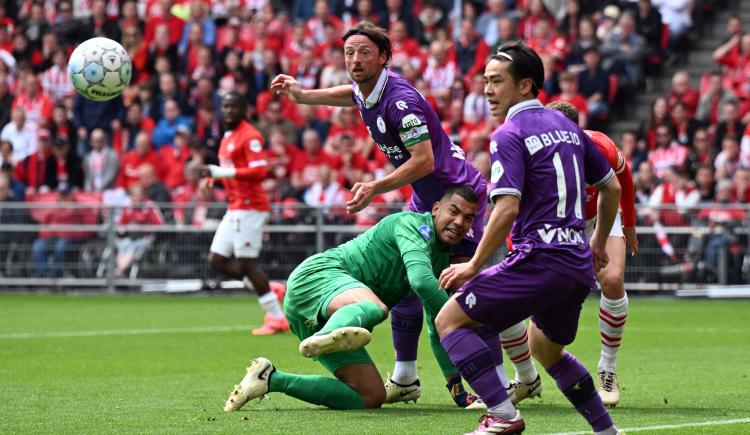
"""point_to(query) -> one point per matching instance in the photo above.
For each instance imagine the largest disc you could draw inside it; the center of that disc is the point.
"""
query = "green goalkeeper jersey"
(399, 254)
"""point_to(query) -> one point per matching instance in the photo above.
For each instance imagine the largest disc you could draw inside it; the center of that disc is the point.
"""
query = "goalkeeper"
(335, 299)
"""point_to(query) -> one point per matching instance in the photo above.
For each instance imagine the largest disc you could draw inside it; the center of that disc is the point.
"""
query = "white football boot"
(252, 386)
(338, 340)
(395, 392)
(609, 389)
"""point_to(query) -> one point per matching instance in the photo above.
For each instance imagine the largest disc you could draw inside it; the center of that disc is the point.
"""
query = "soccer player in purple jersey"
(541, 162)
(407, 130)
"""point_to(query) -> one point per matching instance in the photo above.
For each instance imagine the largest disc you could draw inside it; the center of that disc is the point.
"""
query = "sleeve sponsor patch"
(533, 144)
(410, 120)
(408, 136)
(497, 171)
(426, 232)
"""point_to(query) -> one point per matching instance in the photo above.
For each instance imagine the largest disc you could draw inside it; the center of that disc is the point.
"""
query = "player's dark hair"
(462, 190)
(566, 109)
(376, 34)
(525, 63)
(237, 96)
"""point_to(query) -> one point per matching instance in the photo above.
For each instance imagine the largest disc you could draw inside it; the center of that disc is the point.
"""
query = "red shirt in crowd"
(174, 160)
(130, 164)
(242, 149)
(144, 214)
(624, 176)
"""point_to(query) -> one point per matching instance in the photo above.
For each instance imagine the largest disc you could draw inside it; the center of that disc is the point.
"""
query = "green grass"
(681, 362)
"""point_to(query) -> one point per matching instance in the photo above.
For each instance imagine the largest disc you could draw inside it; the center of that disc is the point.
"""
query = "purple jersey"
(397, 117)
(546, 160)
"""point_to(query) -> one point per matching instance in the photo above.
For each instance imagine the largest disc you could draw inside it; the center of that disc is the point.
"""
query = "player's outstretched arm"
(340, 96)
(606, 209)
(497, 229)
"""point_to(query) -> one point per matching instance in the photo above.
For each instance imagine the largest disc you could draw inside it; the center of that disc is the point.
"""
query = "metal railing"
(711, 246)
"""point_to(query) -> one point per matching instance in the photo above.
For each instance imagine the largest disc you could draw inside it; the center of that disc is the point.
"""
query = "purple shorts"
(517, 288)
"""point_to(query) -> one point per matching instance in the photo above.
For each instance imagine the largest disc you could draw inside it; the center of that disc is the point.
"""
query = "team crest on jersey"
(401, 105)
(533, 144)
(497, 171)
(230, 146)
(256, 146)
(426, 232)
(381, 124)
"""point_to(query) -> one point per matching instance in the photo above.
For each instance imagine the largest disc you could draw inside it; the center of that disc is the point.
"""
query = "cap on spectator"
(183, 129)
(612, 12)
(43, 133)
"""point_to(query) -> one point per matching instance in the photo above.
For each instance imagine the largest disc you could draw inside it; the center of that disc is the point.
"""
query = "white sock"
(612, 430)
(501, 374)
(504, 410)
(612, 316)
(515, 342)
(270, 303)
(404, 372)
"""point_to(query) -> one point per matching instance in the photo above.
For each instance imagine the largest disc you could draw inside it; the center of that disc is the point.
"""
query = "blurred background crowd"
(695, 148)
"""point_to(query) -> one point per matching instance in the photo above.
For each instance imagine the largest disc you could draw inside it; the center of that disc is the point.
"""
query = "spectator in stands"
(585, 41)
(63, 166)
(21, 134)
(709, 103)
(741, 186)
(702, 152)
(88, 115)
(272, 117)
(676, 190)
(31, 170)
(430, 22)
(307, 70)
(440, 72)
(406, 50)
(56, 80)
(731, 126)
(100, 165)
(533, 13)
(334, 73)
(395, 10)
(569, 94)
(6, 152)
(133, 242)
(623, 52)
(166, 128)
(36, 24)
(659, 116)
(199, 16)
(205, 210)
(547, 42)
(34, 101)
(154, 189)
(53, 249)
(568, 19)
(173, 25)
(471, 50)
(683, 91)
(316, 24)
(476, 109)
(506, 33)
(325, 192)
(706, 183)
(168, 90)
(488, 23)
(135, 122)
(649, 25)
(6, 99)
(69, 30)
(668, 152)
(634, 150)
(728, 160)
(593, 84)
(99, 24)
(684, 126)
(306, 164)
(174, 157)
(143, 153)
(734, 56)
(676, 15)
(62, 125)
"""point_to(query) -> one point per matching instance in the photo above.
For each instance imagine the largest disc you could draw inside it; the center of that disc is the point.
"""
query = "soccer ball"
(100, 69)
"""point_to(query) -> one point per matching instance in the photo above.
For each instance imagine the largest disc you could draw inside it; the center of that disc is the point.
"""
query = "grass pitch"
(160, 364)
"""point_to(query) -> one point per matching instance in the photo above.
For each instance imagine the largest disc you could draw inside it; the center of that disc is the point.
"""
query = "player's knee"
(374, 397)
(444, 323)
(612, 284)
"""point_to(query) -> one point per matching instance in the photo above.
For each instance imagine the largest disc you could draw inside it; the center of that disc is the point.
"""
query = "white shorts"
(240, 234)
(616, 227)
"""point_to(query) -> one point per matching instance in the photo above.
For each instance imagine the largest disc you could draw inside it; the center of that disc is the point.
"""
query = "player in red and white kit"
(239, 238)
(613, 304)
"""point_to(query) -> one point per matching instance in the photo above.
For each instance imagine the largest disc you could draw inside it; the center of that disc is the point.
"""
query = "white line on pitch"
(668, 426)
(109, 332)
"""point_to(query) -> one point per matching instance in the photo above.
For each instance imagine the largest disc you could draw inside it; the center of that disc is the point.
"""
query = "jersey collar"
(523, 105)
(377, 91)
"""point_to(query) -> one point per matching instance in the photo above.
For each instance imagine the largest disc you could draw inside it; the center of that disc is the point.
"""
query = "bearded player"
(239, 237)
(613, 304)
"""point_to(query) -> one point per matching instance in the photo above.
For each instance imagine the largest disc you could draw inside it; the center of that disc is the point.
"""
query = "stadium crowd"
(186, 54)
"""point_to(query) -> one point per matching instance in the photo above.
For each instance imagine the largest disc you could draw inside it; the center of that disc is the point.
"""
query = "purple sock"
(406, 325)
(492, 339)
(476, 364)
(575, 382)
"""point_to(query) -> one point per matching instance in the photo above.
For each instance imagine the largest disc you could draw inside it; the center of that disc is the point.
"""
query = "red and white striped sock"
(515, 341)
(612, 316)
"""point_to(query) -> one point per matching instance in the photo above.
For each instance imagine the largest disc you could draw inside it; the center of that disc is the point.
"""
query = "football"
(100, 69)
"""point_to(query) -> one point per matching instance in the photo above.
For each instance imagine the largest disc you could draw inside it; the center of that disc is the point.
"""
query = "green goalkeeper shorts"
(309, 290)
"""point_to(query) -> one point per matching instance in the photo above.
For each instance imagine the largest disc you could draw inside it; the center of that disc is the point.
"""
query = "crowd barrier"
(679, 248)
